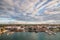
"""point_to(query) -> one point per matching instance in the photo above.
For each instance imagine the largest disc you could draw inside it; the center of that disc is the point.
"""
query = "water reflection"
(29, 36)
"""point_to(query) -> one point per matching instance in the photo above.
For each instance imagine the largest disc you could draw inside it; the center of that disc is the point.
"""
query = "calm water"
(29, 36)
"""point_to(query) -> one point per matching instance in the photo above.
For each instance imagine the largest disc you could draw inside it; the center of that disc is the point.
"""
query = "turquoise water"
(30, 36)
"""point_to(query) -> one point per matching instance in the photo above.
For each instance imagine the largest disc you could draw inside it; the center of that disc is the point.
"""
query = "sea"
(30, 36)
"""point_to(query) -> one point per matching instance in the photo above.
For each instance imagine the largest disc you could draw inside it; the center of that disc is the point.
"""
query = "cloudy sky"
(30, 10)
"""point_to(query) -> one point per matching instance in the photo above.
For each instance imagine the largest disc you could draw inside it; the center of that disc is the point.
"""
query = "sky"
(30, 10)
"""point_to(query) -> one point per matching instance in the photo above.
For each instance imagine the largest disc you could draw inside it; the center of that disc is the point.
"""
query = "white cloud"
(10, 2)
(24, 7)
(54, 2)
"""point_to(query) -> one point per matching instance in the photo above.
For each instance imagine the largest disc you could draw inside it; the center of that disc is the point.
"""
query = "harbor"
(47, 28)
(30, 32)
